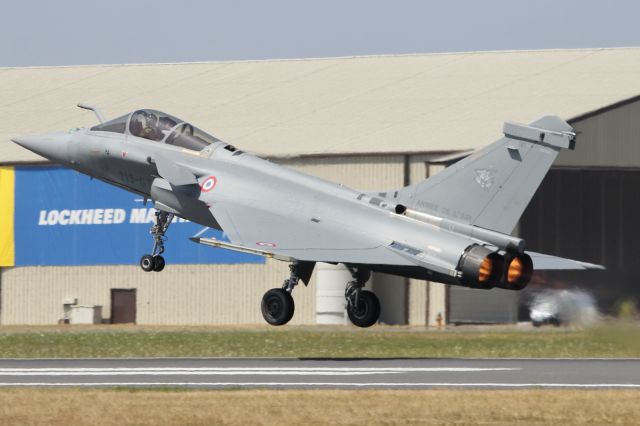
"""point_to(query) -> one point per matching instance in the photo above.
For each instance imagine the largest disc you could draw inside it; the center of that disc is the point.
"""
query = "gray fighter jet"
(452, 228)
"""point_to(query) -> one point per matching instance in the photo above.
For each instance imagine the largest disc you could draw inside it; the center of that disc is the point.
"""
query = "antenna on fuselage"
(95, 109)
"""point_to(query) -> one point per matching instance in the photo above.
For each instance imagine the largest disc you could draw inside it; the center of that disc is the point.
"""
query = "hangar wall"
(208, 294)
(609, 137)
(414, 103)
(181, 294)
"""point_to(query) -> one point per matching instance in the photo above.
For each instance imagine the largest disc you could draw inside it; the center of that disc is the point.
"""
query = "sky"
(76, 32)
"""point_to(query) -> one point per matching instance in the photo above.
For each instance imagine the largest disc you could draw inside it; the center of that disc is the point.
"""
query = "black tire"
(146, 263)
(277, 306)
(158, 263)
(368, 310)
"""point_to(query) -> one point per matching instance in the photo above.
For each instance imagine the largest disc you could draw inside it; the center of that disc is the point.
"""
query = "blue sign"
(62, 217)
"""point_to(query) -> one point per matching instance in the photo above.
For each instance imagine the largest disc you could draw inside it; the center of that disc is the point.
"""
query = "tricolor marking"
(208, 184)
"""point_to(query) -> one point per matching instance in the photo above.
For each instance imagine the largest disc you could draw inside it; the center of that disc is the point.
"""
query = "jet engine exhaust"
(518, 272)
(480, 267)
(485, 269)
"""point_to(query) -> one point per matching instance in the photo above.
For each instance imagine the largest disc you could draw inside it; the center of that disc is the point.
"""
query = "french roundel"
(208, 184)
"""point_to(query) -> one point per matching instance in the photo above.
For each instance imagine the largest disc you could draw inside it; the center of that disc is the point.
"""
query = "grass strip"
(313, 342)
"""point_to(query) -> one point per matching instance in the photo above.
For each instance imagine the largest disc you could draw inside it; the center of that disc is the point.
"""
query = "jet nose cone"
(51, 146)
(30, 142)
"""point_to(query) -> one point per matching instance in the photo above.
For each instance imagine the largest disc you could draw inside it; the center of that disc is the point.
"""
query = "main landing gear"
(277, 304)
(154, 261)
(363, 306)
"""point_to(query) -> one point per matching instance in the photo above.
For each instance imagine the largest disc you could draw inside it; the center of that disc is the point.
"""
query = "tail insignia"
(485, 178)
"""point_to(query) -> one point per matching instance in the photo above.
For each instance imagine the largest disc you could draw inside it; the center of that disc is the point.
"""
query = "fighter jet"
(454, 228)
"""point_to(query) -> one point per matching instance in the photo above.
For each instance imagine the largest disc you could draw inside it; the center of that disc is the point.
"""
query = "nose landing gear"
(155, 261)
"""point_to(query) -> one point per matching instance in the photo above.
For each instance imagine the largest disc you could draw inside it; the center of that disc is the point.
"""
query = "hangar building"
(372, 123)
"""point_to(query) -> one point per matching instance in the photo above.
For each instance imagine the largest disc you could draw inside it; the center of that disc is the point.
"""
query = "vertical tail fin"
(492, 187)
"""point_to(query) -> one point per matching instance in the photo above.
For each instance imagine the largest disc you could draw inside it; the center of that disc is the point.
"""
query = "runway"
(323, 373)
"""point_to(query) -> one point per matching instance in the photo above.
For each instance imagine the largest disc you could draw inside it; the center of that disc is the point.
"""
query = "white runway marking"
(324, 374)
(325, 384)
(207, 371)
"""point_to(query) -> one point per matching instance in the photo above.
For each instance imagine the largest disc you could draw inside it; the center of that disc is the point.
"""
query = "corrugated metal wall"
(418, 308)
(468, 305)
(367, 173)
(181, 294)
(609, 139)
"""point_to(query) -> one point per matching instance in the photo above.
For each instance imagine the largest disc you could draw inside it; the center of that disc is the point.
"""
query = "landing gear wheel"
(154, 261)
(158, 263)
(147, 263)
(367, 310)
(277, 306)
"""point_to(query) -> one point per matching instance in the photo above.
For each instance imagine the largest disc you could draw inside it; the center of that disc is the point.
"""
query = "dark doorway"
(590, 215)
(123, 306)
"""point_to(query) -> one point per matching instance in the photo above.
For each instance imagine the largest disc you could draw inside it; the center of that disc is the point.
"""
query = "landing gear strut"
(154, 261)
(363, 306)
(277, 304)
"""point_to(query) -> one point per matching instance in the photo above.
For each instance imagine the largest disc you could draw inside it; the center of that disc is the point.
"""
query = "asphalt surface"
(323, 373)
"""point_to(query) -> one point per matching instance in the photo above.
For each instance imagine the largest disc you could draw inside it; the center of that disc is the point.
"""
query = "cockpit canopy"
(159, 127)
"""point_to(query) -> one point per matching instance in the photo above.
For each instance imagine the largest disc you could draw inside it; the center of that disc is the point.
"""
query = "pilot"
(150, 130)
(146, 125)
(138, 123)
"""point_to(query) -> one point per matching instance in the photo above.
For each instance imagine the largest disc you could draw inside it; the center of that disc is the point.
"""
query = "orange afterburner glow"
(515, 270)
(485, 270)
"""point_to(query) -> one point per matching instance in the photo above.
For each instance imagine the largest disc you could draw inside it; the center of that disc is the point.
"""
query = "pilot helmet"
(138, 123)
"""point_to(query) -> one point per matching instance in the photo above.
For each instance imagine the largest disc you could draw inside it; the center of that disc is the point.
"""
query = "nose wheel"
(155, 261)
(150, 263)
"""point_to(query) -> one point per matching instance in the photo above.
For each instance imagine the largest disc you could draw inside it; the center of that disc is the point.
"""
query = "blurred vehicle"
(562, 307)
(545, 312)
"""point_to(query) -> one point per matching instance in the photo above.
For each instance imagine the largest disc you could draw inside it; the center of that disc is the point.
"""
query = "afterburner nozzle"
(514, 272)
(518, 272)
(485, 270)
(480, 267)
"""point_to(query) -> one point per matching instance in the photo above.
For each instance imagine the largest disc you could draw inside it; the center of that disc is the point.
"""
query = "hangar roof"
(369, 104)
